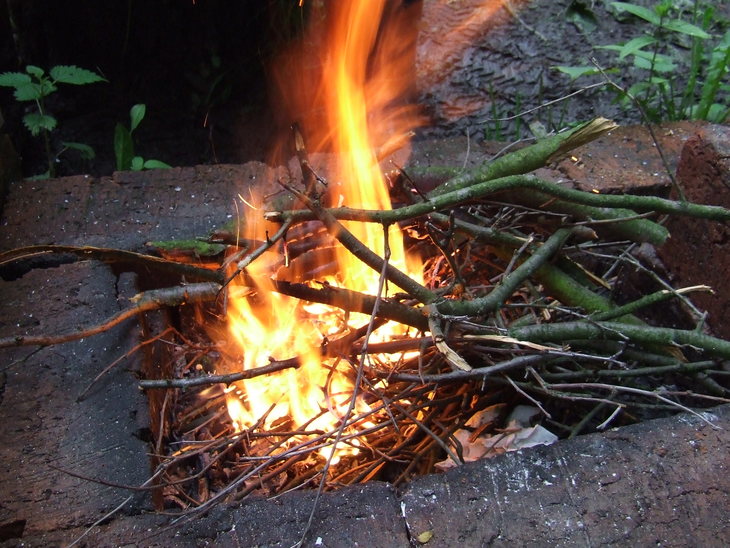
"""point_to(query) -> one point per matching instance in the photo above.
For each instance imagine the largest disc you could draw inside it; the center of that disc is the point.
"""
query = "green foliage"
(124, 144)
(196, 247)
(35, 85)
(675, 87)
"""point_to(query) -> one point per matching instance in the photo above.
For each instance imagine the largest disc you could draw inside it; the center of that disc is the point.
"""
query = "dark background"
(198, 65)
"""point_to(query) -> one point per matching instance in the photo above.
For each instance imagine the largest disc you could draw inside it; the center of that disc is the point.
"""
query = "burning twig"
(356, 386)
(367, 256)
(263, 248)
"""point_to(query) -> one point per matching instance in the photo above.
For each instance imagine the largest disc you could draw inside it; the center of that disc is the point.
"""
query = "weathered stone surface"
(44, 428)
(98, 437)
(626, 160)
(698, 252)
(661, 482)
(129, 208)
(363, 516)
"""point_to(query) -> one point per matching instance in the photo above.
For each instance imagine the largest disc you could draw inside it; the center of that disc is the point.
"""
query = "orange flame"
(346, 83)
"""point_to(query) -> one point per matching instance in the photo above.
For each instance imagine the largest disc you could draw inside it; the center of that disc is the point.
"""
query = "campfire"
(358, 85)
(355, 342)
(367, 319)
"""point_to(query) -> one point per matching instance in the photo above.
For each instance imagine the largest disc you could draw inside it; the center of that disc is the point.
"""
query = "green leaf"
(33, 92)
(47, 87)
(156, 164)
(137, 163)
(611, 47)
(639, 88)
(659, 81)
(639, 11)
(718, 113)
(86, 152)
(664, 66)
(70, 74)
(28, 92)
(33, 70)
(719, 65)
(136, 115)
(14, 79)
(640, 62)
(683, 27)
(36, 121)
(632, 46)
(654, 62)
(576, 72)
(123, 147)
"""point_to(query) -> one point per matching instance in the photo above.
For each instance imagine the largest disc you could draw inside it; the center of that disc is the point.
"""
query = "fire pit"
(160, 214)
(408, 361)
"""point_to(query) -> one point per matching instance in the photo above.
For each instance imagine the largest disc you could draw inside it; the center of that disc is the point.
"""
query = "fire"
(346, 84)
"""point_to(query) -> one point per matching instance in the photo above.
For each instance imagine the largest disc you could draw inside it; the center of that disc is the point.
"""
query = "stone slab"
(102, 436)
(129, 208)
(46, 431)
(663, 482)
(625, 160)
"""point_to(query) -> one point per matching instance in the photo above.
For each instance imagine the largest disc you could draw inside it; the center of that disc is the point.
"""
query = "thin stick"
(120, 359)
(355, 390)
(113, 511)
(632, 390)
(546, 104)
(648, 125)
(526, 395)
(223, 379)
(152, 299)
(113, 256)
(519, 362)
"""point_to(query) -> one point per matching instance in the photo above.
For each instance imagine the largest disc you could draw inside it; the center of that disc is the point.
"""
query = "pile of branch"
(517, 308)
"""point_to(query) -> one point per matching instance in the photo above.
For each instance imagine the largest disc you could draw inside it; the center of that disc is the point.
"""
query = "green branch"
(508, 285)
(643, 334)
(646, 300)
(483, 189)
(529, 158)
